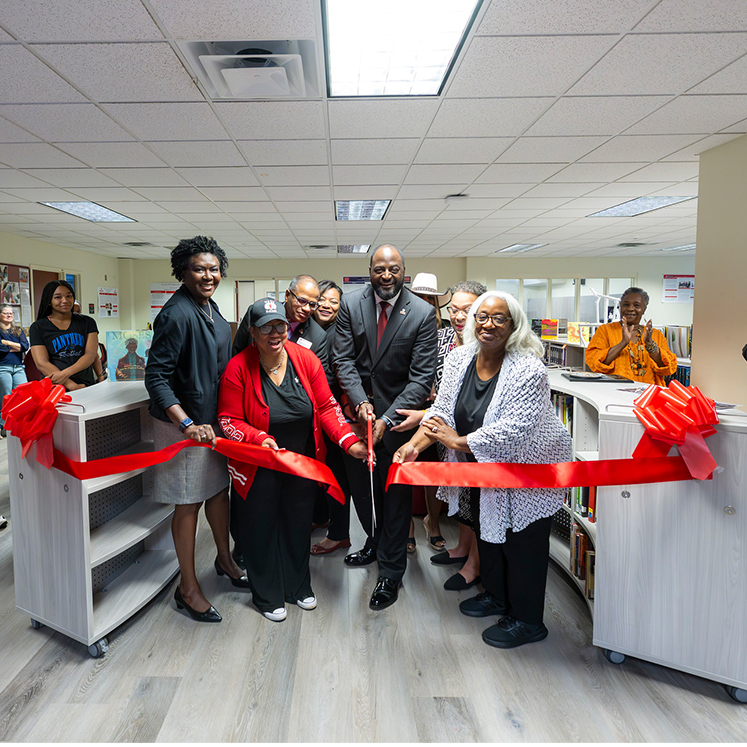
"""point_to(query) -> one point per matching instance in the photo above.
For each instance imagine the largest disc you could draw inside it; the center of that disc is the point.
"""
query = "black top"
(291, 412)
(187, 358)
(66, 346)
(472, 402)
(7, 356)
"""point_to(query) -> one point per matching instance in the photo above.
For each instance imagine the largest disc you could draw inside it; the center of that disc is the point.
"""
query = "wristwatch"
(185, 424)
(388, 422)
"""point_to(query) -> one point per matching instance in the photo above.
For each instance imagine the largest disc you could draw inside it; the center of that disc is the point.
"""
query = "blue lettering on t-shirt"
(71, 339)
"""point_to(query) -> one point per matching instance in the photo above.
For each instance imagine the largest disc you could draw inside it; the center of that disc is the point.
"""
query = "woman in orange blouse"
(627, 349)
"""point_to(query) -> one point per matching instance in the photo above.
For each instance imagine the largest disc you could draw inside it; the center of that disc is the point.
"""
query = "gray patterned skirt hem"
(193, 475)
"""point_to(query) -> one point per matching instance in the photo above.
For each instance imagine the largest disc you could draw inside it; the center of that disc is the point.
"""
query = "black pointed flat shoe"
(443, 558)
(458, 582)
(242, 582)
(209, 616)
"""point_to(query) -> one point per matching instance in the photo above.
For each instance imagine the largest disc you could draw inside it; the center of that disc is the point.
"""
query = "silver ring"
(435, 429)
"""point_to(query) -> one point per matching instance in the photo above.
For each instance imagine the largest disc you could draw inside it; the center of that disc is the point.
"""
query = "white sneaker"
(277, 615)
(307, 604)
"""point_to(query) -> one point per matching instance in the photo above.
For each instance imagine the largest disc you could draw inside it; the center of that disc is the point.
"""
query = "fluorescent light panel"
(681, 248)
(361, 209)
(90, 211)
(638, 206)
(519, 248)
(353, 248)
(395, 47)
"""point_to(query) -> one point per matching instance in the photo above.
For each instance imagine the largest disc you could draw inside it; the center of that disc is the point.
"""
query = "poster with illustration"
(11, 293)
(127, 353)
(3, 274)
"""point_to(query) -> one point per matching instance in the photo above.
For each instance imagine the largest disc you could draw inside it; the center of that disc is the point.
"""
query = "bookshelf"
(88, 554)
(670, 558)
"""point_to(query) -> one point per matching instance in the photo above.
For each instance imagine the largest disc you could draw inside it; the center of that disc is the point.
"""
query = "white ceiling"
(555, 109)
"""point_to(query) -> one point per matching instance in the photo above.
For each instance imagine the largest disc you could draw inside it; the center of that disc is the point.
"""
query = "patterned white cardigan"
(520, 425)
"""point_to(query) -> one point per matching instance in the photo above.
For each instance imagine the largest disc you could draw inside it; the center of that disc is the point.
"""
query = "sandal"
(436, 541)
(411, 544)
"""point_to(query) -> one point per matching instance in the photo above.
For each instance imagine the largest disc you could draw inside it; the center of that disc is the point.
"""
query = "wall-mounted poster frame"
(15, 290)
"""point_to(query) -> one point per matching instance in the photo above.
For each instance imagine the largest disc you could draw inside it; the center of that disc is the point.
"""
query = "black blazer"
(187, 358)
(400, 373)
(309, 331)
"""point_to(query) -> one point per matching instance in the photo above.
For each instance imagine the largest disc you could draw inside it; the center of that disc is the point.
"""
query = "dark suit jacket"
(400, 373)
(309, 331)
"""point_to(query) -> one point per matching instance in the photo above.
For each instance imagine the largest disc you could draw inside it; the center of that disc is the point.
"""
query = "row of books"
(679, 339)
(582, 501)
(682, 374)
(582, 559)
(563, 404)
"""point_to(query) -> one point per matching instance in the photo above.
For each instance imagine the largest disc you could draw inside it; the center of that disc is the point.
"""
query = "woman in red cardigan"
(275, 394)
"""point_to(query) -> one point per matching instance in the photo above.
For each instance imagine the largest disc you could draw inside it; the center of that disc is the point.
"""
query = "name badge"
(305, 343)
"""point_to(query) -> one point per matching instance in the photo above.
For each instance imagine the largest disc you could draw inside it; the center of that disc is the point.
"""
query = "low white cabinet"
(671, 558)
(88, 554)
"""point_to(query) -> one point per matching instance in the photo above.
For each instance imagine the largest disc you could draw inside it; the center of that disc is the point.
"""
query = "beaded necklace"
(637, 356)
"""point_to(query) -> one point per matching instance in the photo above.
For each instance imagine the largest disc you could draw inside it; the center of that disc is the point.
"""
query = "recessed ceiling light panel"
(681, 248)
(90, 211)
(361, 209)
(639, 206)
(519, 248)
(353, 248)
(394, 48)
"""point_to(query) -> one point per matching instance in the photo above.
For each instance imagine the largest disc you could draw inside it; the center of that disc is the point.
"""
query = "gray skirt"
(193, 475)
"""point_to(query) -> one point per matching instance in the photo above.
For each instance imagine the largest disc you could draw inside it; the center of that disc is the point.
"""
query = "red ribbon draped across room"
(678, 415)
(30, 412)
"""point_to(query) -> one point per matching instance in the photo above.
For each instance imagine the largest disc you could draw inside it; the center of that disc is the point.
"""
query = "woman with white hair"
(493, 405)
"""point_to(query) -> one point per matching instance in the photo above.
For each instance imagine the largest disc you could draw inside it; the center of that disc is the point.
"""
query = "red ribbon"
(679, 415)
(30, 413)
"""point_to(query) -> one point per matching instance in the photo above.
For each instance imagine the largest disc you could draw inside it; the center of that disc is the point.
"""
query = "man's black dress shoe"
(366, 556)
(483, 605)
(208, 616)
(443, 558)
(384, 594)
(510, 633)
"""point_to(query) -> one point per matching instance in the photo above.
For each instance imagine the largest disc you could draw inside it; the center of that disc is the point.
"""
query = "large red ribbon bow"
(681, 416)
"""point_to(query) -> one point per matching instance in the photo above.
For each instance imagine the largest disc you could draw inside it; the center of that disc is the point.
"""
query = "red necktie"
(381, 325)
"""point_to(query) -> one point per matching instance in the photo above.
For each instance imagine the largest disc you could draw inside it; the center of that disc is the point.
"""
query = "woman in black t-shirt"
(64, 345)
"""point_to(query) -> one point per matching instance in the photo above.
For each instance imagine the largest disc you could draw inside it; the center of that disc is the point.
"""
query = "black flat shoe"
(384, 594)
(443, 558)
(459, 583)
(510, 633)
(209, 616)
(242, 582)
(366, 556)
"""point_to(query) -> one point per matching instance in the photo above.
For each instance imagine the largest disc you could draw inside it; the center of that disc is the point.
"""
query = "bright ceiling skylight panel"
(519, 248)
(90, 211)
(361, 209)
(396, 47)
(639, 206)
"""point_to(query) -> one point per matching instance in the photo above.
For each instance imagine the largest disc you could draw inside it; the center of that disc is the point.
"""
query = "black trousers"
(275, 527)
(326, 507)
(393, 509)
(515, 571)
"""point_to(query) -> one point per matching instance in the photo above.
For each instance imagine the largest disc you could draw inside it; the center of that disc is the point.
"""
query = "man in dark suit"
(385, 359)
(301, 300)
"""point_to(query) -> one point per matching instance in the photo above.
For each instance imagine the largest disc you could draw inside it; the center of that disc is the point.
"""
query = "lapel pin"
(403, 312)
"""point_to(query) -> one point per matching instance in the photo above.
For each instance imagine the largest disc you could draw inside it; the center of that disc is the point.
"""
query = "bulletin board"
(15, 290)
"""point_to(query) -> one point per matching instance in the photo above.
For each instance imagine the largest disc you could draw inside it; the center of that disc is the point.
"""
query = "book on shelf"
(589, 585)
(679, 339)
(579, 333)
(580, 545)
(549, 329)
(592, 515)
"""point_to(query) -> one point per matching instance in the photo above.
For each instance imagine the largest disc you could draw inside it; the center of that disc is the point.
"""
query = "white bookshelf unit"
(671, 558)
(88, 554)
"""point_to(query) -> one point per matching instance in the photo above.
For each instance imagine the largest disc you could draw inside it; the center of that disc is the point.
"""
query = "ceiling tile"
(660, 63)
(391, 151)
(385, 118)
(10, 133)
(692, 152)
(462, 150)
(497, 190)
(549, 149)
(273, 120)
(486, 117)
(176, 194)
(73, 177)
(154, 177)
(573, 189)
(282, 176)
(626, 148)
(526, 66)
(694, 114)
(299, 193)
(427, 191)
(105, 194)
(224, 19)
(32, 81)
(695, 15)
(202, 153)
(171, 121)
(112, 154)
(594, 172)
(35, 155)
(284, 152)
(248, 193)
(518, 173)
(729, 80)
(122, 72)
(322, 206)
(93, 20)
(219, 177)
(13, 178)
(664, 172)
(41, 194)
(367, 192)
(457, 174)
(368, 175)
(562, 16)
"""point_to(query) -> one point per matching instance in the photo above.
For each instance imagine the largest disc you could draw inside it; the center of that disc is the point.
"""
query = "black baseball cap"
(266, 310)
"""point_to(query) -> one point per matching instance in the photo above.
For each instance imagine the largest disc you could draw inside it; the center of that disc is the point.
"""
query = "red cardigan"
(244, 416)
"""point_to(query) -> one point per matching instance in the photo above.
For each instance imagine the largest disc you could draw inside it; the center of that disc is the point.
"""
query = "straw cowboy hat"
(426, 284)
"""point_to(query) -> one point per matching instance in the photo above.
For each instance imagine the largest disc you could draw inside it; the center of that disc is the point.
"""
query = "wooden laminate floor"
(417, 672)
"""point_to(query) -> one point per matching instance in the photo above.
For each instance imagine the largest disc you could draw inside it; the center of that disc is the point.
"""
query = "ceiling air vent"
(318, 247)
(137, 243)
(255, 69)
(631, 244)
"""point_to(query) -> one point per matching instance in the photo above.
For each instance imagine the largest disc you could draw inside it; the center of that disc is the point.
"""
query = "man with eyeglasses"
(301, 300)
(384, 355)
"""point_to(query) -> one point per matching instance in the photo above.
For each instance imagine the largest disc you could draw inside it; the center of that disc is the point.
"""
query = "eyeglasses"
(498, 319)
(266, 329)
(303, 302)
(454, 311)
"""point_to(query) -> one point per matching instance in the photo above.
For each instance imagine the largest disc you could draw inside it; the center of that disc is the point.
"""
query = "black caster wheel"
(613, 657)
(737, 694)
(99, 648)
(35, 624)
